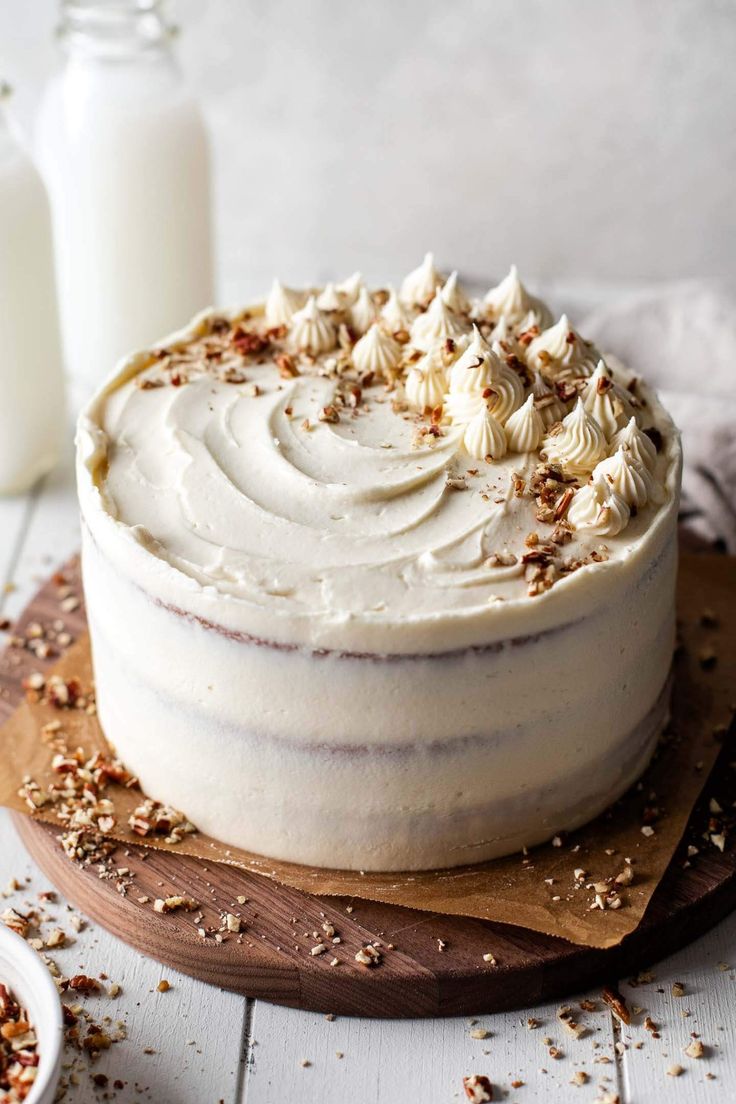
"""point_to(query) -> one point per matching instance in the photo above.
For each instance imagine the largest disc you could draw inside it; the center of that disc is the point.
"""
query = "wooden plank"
(14, 513)
(706, 1008)
(391, 1062)
(50, 533)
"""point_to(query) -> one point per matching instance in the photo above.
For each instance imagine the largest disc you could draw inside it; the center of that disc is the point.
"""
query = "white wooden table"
(199, 1045)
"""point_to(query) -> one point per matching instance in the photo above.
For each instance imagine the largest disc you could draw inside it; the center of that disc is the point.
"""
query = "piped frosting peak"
(525, 428)
(350, 289)
(599, 507)
(605, 401)
(638, 443)
(579, 444)
(561, 353)
(484, 437)
(420, 285)
(363, 311)
(282, 304)
(547, 401)
(511, 300)
(397, 317)
(478, 377)
(437, 323)
(312, 330)
(330, 299)
(377, 352)
(425, 383)
(629, 478)
(454, 295)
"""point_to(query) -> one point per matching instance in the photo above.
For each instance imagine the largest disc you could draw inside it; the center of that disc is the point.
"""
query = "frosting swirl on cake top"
(314, 459)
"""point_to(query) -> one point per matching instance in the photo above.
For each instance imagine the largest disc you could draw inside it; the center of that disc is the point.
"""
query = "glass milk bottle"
(124, 152)
(32, 416)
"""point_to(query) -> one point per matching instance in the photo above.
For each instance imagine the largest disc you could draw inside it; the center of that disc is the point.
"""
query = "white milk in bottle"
(124, 152)
(32, 415)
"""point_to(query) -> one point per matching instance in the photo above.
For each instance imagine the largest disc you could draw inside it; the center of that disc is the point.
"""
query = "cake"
(381, 579)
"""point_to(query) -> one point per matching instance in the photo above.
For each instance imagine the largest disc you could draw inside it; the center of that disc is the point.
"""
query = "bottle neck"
(115, 29)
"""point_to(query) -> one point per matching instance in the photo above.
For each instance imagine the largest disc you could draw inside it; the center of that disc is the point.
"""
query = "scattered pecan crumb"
(83, 984)
(174, 904)
(286, 366)
(565, 1016)
(478, 1088)
(368, 955)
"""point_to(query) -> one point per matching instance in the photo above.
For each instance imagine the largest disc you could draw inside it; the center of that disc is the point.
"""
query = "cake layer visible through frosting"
(391, 763)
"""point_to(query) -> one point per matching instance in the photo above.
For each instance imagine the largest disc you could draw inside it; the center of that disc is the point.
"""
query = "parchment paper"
(518, 890)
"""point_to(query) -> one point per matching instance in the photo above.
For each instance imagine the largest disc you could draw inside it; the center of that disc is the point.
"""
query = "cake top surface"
(342, 456)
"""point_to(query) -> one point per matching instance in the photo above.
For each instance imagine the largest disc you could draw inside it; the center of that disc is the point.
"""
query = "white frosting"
(508, 392)
(504, 341)
(580, 444)
(598, 506)
(437, 323)
(282, 303)
(632, 480)
(377, 352)
(562, 353)
(510, 300)
(547, 402)
(636, 441)
(603, 403)
(311, 330)
(350, 289)
(420, 285)
(484, 438)
(395, 315)
(454, 296)
(426, 382)
(472, 369)
(525, 428)
(363, 311)
(480, 378)
(330, 300)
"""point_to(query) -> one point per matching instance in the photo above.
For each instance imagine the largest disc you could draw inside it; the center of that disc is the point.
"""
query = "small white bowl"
(30, 982)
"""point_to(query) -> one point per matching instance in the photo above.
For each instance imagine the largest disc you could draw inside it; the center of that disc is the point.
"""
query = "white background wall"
(583, 138)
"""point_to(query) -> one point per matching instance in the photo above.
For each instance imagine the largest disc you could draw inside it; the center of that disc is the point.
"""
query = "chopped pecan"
(478, 1088)
(80, 983)
(286, 366)
(617, 1004)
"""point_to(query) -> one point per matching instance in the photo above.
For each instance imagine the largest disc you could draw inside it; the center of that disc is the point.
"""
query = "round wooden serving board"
(270, 959)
